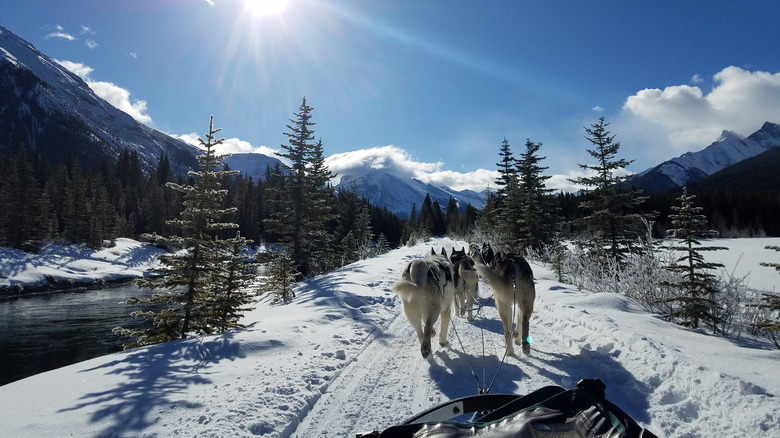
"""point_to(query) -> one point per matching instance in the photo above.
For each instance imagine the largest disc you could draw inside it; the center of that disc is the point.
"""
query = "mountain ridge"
(49, 110)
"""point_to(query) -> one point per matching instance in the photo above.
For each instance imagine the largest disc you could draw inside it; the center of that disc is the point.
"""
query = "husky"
(466, 282)
(427, 291)
(512, 281)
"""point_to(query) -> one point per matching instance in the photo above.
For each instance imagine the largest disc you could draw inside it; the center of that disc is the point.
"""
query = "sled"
(549, 412)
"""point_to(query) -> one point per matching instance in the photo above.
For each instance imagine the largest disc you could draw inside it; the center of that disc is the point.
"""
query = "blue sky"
(430, 87)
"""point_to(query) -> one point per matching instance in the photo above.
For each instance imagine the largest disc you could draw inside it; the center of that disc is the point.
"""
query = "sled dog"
(466, 282)
(427, 291)
(512, 281)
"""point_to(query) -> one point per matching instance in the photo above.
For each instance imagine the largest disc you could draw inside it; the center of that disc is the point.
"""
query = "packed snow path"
(651, 381)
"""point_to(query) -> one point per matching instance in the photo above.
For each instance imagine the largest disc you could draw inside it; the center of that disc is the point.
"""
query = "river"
(42, 332)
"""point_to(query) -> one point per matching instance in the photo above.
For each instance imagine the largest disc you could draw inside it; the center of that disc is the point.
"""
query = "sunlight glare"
(262, 8)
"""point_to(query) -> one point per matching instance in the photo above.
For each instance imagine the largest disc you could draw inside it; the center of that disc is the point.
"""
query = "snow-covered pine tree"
(189, 273)
(611, 220)
(697, 285)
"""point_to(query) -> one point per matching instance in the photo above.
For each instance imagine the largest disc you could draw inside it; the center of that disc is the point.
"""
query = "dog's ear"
(443, 251)
(433, 251)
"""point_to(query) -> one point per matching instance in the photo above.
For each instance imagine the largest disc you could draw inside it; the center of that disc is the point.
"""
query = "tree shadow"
(152, 378)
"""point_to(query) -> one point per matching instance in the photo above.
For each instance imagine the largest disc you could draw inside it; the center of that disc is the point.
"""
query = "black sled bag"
(549, 412)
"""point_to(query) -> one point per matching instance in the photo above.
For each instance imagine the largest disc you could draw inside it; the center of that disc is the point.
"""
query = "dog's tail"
(492, 278)
(414, 280)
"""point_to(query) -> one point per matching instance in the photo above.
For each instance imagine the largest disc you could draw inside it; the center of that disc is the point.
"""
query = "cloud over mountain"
(685, 116)
(400, 163)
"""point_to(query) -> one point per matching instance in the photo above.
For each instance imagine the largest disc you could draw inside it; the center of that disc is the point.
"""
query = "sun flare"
(262, 8)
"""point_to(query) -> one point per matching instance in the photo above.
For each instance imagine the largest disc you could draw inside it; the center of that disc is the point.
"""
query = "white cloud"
(77, 68)
(133, 55)
(113, 94)
(400, 163)
(61, 35)
(697, 79)
(598, 109)
(231, 146)
(684, 117)
(91, 43)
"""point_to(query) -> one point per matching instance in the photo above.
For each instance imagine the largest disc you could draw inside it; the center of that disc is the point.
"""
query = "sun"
(262, 8)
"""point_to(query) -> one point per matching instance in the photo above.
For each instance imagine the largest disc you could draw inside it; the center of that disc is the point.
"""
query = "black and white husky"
(427, 291)
(466, 283)
(512, 281)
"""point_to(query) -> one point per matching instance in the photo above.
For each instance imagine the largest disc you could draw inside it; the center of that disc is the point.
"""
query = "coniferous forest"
(308, 227)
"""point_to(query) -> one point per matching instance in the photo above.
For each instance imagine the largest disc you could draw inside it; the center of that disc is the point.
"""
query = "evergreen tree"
(281, 275)
(537, 218)
(697, 286)
(507, 172)
(611, 216)
(189, 274)
(230, 296)
(319, 210)
(300, 217)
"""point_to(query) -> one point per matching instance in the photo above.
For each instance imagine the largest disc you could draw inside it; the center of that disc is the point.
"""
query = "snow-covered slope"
(399, 193)
(52, 111)
(252, 165)
(341, 358)
(690, 167)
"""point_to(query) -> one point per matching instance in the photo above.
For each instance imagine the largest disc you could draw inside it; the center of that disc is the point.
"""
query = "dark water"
(42, 332)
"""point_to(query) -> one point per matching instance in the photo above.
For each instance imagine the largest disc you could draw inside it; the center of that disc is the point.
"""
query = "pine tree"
(537, 219)
(229, 295)
(697, 286)
(611, 218)
(507, 171)
(189, 274)
(281, 275)
(301, 214)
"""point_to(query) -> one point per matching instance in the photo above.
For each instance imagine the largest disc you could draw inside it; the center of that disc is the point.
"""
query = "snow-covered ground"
(341, 358)
(75, 265)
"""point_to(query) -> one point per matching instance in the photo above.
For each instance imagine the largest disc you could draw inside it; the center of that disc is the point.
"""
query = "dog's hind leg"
(505, 313)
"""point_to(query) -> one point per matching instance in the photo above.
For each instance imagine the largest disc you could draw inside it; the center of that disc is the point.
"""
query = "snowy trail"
(389, 381)
(341, 359)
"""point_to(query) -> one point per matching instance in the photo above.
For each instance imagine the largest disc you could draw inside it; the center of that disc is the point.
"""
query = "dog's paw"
(444, 343)
(526, 348)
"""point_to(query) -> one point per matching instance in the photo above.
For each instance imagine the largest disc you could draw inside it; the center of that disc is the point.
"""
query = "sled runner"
(550, 412)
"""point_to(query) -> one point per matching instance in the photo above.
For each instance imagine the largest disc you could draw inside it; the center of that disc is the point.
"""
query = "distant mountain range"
(49, 110)
(692, 167)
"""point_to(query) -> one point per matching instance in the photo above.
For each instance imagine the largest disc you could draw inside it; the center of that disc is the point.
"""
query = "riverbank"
(58, 267)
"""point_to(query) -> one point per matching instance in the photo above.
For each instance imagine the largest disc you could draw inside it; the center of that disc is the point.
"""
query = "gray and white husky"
(466, 281)
(427, 291)
(512, 281)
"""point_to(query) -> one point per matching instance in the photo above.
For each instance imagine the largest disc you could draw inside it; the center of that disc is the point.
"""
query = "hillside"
(759, 173)
(692, 167)
(50, 111)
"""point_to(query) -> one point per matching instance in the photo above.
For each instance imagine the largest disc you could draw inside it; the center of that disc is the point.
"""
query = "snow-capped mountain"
(397, 194)
(691, 167)
(252, 165)
(49, 110)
